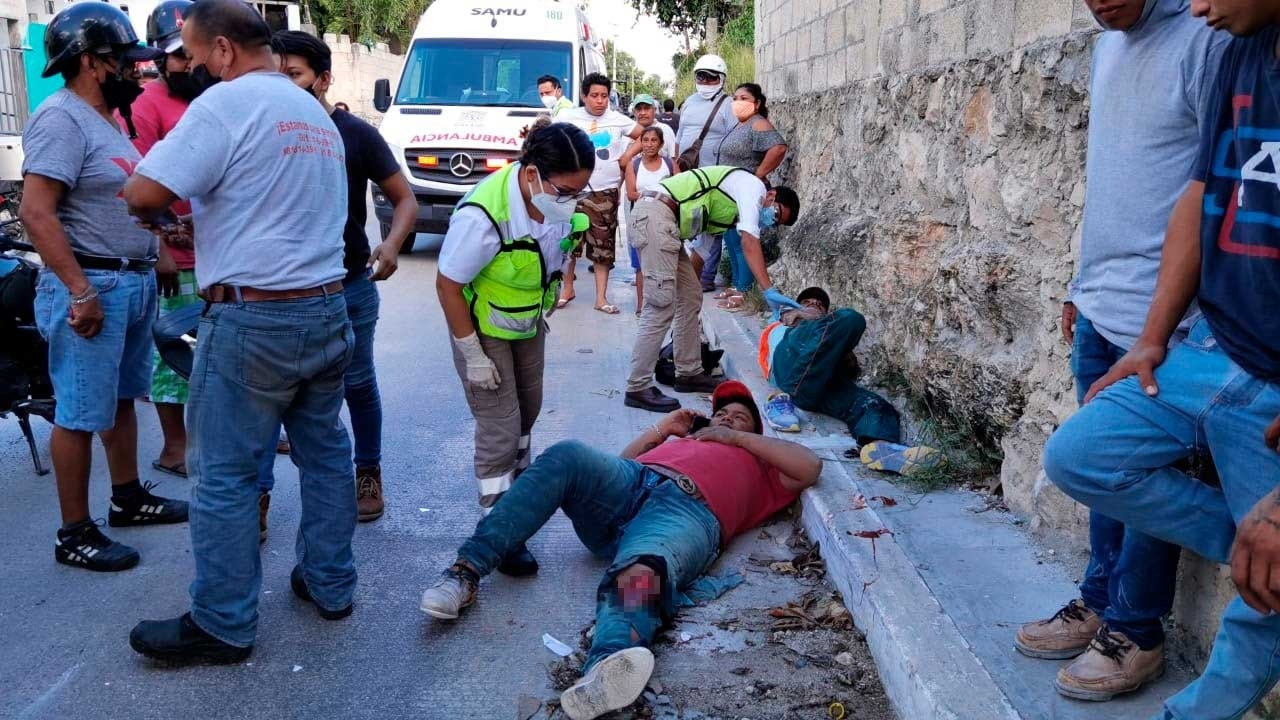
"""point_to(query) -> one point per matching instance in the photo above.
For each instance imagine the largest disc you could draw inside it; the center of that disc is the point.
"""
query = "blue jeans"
(1116, 456)
(91, 375)
(256, 365)
(361, 380)
(711, 266)
(1131, 577)
(742, 278)
(619, 509)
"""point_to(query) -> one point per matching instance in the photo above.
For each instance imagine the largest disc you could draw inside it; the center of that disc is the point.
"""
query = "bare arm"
(675, 424)
(1176, 287)
(387, 253)
(633, 193)
(755, 260)
(798, 465)
(772, 159)
(456, 313)
(147, 198)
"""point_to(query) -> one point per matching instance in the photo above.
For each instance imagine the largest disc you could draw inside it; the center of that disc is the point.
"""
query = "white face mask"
(554, 209)
(709, 91)
(549, 101)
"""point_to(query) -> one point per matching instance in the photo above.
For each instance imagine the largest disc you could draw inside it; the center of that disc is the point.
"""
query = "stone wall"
(938, 148)
(355, 69)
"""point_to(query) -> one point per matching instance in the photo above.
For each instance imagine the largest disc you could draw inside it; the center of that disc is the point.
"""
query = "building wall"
(355, 69)
(938, 148)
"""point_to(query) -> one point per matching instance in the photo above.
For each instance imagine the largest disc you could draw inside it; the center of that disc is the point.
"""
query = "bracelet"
(658, 432)
(85, 297)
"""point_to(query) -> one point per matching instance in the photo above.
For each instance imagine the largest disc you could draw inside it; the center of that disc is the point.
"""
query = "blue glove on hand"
(779, 302)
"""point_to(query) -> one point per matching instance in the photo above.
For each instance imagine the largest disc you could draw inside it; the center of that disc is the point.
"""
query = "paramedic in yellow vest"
(710, 200)
(499, 275)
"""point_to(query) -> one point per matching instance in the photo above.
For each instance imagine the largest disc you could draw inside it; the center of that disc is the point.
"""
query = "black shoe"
(653, 400)
(84, 546)
(702, 382)
(147, 509)
(299, 585)
(519, 563)
(181, 642)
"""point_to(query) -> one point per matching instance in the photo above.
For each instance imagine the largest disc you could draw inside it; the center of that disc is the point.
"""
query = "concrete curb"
(928, 668)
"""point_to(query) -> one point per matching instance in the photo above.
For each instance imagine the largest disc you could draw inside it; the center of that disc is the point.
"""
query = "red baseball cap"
(732, 391)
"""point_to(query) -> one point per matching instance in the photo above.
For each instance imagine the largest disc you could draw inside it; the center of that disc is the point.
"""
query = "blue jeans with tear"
(1117, 455)
(257, 365)
(619, 509)
(1131, 577)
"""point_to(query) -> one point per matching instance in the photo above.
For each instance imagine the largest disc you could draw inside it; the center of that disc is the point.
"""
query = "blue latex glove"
(779, 302)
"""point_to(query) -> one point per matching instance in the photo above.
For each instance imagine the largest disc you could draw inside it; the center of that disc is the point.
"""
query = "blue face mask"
(768, 216)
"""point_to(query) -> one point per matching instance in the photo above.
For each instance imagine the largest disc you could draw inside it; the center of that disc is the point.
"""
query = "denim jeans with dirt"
(1131, 577)
(1118, 455)
(620, 509)
(257, 365)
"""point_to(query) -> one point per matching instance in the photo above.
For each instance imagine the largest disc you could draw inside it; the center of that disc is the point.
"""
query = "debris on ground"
(814, 609)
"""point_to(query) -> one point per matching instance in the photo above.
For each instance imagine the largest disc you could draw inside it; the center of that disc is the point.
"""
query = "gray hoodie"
(1149, 92)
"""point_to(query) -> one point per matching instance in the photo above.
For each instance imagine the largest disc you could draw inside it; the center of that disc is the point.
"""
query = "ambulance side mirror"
(382, 95)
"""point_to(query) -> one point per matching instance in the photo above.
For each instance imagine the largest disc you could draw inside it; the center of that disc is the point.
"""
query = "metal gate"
(13, 92)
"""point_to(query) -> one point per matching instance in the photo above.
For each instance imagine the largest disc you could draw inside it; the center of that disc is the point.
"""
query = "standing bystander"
(263, 166)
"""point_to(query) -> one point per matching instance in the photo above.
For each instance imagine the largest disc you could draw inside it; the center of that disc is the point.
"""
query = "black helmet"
(90, 26)
(164, 26)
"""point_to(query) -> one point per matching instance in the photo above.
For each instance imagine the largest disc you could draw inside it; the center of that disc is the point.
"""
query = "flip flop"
(733, 304)
(178, 469)
(726, 294)
(562, 302)
(608, 309)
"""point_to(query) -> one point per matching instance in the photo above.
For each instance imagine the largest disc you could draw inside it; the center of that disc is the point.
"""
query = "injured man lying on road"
(662, 510)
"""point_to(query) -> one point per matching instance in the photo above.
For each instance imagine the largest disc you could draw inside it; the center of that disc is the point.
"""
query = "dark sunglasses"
(706, 77)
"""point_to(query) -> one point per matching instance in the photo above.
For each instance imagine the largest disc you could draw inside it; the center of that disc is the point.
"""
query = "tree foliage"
(629, 79)
(370, 21)
(688, 18)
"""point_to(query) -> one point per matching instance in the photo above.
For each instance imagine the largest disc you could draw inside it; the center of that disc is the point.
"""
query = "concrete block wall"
(356, 68)
(938, 147)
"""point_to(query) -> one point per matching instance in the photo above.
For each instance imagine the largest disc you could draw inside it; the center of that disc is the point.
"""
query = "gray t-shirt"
(68, 141)
(263, 166)
(693, 116)
(1148, 101)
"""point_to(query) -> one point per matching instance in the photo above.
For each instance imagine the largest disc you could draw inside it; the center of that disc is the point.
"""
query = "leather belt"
(680, 480)
(119, 264)
(233, 293)
(663, 198)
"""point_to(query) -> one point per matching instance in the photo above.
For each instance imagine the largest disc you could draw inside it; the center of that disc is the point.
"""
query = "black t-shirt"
(369, 159)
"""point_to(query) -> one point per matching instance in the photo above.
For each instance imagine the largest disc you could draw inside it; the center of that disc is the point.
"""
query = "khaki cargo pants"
(672, 295)
(505, 416)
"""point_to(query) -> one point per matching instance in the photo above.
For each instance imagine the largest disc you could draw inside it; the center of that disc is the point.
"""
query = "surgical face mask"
(554, 209)
(548, 101)
(709, 91)
(768, 216)
(183, 86)
(743, 109)
(119, 92)
(202, 78)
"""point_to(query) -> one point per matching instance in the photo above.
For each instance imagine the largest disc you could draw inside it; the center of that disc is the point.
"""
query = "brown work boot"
(369, 493)
(1065, 635)
(264, 502)
(1112, 665)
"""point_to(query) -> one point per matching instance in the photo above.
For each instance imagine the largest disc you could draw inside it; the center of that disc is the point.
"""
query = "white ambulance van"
(468, 87)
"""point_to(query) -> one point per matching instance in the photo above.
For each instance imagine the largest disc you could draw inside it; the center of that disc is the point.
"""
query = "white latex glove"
(481, 372)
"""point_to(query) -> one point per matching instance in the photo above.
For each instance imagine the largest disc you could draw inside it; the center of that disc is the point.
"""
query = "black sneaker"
(651, 399)
(702, 382)
(181, 642)
(519, 563)
(299, 585)
(147, 509)
(84, 546)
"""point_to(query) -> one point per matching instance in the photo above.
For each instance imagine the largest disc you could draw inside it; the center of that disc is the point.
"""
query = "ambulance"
(468, 87)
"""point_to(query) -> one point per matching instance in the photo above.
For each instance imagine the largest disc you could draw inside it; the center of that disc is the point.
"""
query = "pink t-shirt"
(741, 489)
(155, 112)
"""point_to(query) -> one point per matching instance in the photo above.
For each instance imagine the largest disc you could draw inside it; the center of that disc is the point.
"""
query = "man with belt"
(711, 199)
(662, 510)
(96, 297)
(262, 164)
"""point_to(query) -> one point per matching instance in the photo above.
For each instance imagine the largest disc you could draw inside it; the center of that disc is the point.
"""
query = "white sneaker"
(614, 683)
(448, 597)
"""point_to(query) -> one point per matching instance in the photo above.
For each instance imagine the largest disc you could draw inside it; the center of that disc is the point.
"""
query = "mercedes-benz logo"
(461, 164)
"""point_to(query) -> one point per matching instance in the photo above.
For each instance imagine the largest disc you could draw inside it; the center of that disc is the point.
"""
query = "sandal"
(562, 302)
(727, 293)
(178, 469)
(733, 304)
(608, 309)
